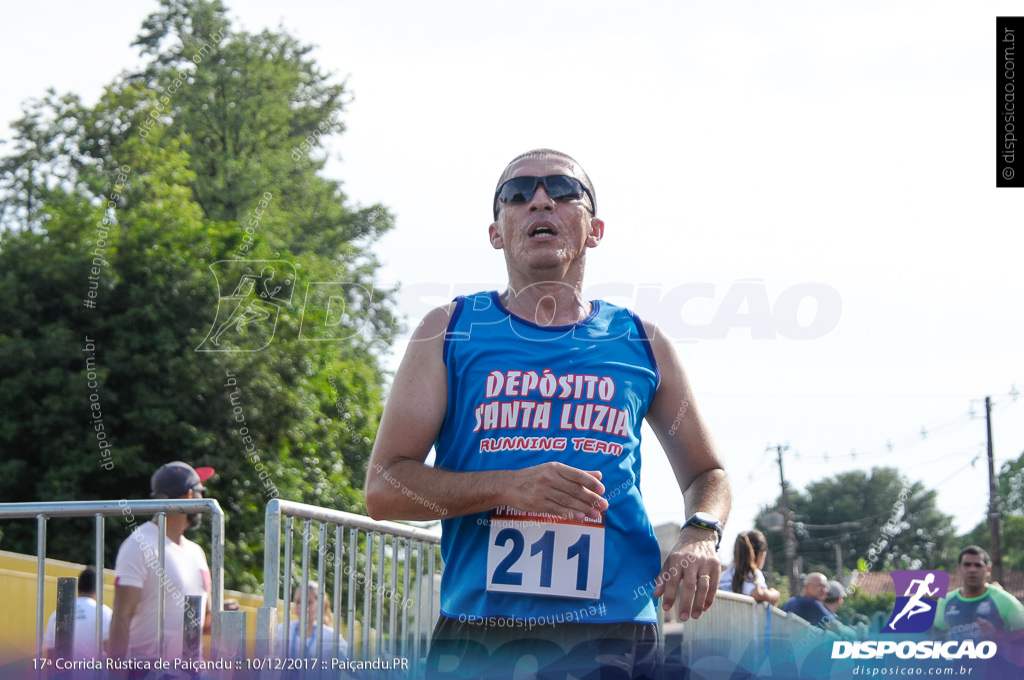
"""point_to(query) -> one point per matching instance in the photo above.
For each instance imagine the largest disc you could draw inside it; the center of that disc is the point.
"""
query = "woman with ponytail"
(745, 576)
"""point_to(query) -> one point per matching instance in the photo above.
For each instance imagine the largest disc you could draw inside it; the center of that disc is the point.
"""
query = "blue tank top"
(520, 395)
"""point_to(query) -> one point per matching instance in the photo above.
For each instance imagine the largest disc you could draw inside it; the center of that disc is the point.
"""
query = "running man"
(533, 400)
(978, 610)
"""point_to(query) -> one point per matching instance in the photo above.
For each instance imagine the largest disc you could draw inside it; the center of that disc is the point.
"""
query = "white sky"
(748, 147)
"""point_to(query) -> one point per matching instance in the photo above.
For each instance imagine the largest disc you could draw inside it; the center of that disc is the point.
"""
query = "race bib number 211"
(538, 554)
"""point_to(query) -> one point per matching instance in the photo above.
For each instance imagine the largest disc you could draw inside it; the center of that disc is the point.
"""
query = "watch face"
(706, 518)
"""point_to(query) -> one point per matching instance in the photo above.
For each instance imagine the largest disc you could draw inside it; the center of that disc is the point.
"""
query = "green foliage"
(866, 605)
(779, 581)
(1011, 487)
(1012, 542)
(185, 172)
(879, 520)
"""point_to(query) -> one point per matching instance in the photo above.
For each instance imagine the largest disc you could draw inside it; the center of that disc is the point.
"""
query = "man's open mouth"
(543, 230)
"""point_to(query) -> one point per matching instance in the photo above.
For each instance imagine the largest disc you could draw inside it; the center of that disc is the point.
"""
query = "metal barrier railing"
(101, 509)
(734, 621)
(410, 552)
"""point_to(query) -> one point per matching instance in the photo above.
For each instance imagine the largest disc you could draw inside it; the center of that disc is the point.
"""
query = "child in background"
(745, 576)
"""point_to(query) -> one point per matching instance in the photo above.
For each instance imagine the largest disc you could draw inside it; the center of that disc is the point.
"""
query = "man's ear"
(497, 242)
(596, 232)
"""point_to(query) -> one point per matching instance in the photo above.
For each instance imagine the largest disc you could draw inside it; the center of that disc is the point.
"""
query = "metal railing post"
(272, 555)
(217, 562)
(321, 548)
(353, 562)
(406, 594)
(64, 631)
(101, 582)
(304, 593)
(40, 581)
(266, 616)
(433, 615)
(338, 544)
(192, 633)
(419, 603)
(367, 592)
(393, 605)
(380, 594)
(288, 587)
(161, 538)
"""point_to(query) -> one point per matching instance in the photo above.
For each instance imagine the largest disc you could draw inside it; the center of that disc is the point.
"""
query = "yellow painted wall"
(18, 604)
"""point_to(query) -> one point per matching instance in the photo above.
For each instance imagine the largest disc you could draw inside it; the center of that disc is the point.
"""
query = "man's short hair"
(974, 550)
(547, 153)
(87, 581)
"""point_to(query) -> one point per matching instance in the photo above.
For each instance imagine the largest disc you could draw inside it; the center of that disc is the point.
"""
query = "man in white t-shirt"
(133, 630)
(85, 621)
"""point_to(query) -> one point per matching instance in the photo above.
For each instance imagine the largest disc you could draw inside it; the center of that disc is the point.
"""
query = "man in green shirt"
(977, 610)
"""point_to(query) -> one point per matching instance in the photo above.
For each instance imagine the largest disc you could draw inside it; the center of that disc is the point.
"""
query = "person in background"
(85, 620)
(745, 576)
(978, 610)
(810, 606)
(834, 598)
(306, 649)
(133, 629)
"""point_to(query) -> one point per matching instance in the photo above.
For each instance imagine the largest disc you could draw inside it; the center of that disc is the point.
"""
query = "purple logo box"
(917, 594)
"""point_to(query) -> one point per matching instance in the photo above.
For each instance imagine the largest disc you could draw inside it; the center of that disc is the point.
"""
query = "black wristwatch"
(707, 522)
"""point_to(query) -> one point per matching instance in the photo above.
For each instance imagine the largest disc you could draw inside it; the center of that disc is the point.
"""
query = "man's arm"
(1012, 613)
(399, 485)
(126, 601)
(674, 417)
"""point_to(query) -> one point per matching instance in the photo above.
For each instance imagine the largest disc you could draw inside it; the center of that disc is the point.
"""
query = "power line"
(946, 425)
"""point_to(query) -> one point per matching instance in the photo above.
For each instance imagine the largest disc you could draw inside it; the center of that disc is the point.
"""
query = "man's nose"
(541, 200)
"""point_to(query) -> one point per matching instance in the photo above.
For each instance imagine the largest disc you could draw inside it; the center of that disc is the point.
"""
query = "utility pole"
(995, 541)
(788, 535)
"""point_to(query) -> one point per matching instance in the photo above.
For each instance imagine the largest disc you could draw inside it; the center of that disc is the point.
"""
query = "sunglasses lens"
(518, 190)
(561, 187)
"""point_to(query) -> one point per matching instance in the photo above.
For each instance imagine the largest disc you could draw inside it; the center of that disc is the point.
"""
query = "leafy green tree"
(161, 204)
(859, 605)
(879, 517)
(1012, 542)
(1011, 487)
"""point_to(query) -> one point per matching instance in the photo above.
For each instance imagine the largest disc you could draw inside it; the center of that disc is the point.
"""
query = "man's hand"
(690, 573)
(557, 489)
(985, 628)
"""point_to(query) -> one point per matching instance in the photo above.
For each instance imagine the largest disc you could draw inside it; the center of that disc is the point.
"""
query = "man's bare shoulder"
(663, 348)
(435, 323)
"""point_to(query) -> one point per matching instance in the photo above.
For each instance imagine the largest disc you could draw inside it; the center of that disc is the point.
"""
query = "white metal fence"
(383, 578)
(100, 510)
(386, 570)
(744, 631)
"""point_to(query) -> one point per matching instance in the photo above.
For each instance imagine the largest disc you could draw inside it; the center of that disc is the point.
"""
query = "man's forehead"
(543, 166)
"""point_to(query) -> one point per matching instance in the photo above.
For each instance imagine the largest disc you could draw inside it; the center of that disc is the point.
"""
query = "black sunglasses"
(558, 188)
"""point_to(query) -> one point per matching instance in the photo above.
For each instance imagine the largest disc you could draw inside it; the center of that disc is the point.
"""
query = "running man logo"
(915, 608)
(251, 294)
